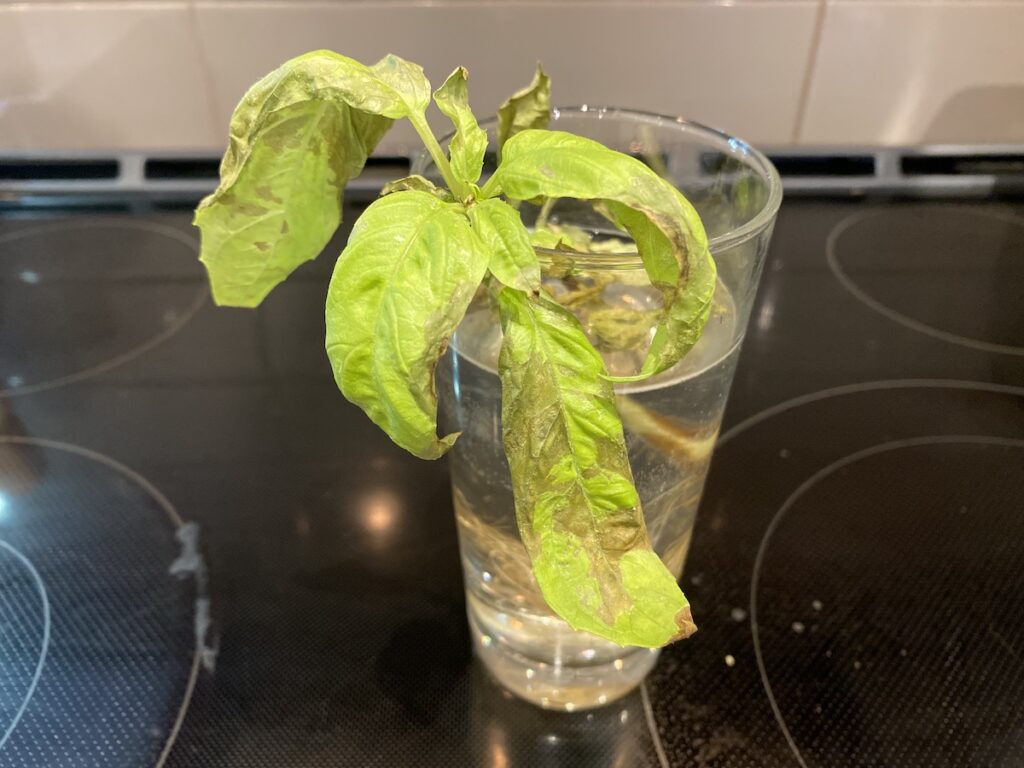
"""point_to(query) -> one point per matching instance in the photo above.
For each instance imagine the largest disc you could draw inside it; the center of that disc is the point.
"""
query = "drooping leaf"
(406, 81)
(401, 286)
(513, 259)
(688, 289)
(666, 229)
(469, 144)
(529, 107)
(297, 137)
(576, 506)
(419, 184)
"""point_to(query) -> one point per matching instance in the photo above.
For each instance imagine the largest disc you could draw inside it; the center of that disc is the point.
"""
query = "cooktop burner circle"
(80, 297)
(97, 634)
(871, 649)
(707, 693)
(968, 277)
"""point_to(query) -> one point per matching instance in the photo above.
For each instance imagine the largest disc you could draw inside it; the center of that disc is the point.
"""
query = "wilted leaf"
(469, 144)
(513, 259)
(577, 508)
(400, 288)
(298, 136)
(529, 107)
(419, 184)
(666, 229)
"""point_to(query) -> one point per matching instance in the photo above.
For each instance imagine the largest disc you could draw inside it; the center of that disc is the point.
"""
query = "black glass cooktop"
(208, 558)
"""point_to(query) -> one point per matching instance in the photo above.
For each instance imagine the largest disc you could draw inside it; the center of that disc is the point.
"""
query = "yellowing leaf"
(469, 144)
(297, 137)
(401, 286)
(529, 107)
(513, 260)
(667, 230)
(576, 506)
(406, 81)
(418, 183)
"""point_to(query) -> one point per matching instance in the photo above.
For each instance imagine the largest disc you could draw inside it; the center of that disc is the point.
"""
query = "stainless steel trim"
(888, 176)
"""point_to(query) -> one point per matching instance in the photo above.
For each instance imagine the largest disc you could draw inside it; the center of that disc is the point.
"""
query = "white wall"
(166, 75)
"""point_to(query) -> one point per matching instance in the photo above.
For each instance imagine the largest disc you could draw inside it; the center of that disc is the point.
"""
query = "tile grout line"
(212, 105)
(812, 63)
(652, 726)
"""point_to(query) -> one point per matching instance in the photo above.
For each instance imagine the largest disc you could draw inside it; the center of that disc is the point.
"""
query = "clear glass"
(671, 421)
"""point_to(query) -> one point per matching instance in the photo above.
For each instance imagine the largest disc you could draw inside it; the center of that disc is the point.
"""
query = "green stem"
(490, 189)
(458, 188)
(545, 211)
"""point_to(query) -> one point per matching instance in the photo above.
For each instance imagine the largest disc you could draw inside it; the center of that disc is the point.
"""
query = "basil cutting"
(576, 505)
(417, 257)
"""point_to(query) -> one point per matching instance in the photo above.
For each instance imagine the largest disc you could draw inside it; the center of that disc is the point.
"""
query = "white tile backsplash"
(160, 74)
(735, 66)
(918, 73)
(92, 76)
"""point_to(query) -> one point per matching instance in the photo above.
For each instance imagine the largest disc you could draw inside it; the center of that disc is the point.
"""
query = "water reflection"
(510, 733)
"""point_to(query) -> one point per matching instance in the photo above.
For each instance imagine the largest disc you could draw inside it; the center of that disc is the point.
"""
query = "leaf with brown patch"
(298, 136)
(401, 286)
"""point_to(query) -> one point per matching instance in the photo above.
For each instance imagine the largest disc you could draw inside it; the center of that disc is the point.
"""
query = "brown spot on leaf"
(262, 245)
(684, 620)
(248, 209)
(266, 193)
(284, 227)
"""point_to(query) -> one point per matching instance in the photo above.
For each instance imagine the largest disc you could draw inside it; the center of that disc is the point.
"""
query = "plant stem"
(545, 211)
(488, 189)
(458, 188)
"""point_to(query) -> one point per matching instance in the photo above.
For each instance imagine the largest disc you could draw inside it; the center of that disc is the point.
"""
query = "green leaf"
(529, 107)
(469, 144)
(419, 184)
(297, 137)
(401, 286)
(576, 506)
(406, 82)
(513, 259)
(552, 240)
(688, 290)
(665, 227)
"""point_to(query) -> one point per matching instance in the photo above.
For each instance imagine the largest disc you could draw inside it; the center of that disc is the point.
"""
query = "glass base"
(566, 687)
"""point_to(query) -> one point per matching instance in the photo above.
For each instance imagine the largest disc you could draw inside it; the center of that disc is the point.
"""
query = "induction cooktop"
(209, 558)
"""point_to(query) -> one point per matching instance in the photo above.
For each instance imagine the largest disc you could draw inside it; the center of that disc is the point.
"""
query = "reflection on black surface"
(381, 511)
(956, 272)
(78, 296)
(21, 465)
(419, 661)
(509, 733)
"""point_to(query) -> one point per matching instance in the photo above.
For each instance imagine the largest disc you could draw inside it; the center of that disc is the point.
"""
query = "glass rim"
(732, 145)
